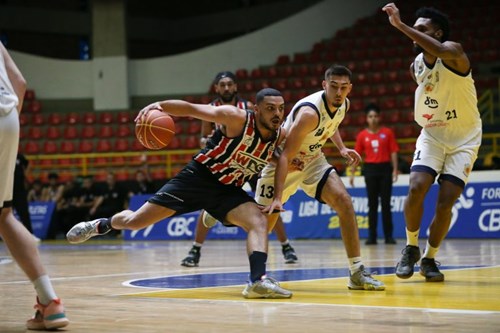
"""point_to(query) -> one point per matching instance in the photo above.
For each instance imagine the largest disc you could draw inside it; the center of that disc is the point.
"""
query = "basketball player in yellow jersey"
(446, 108)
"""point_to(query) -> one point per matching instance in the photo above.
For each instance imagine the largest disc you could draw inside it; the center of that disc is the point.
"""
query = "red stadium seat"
(124, 117)
(67, 147)
(86, 146)
(53, 133)
(283, 59)
(137, 146)
(34, 107)
(256, 73)
(88, 132)
(175, 143)
(271, 72)
(50, 147)
(106, 131)
(103, 146)
(121, 145)
(23, 119)
(72, 118)
(194, 127)
(124, 131)
(31, 148)
(70, 132)
(90, 118)
(285, 71)
(192, 142)
(105, 117)
(29, 95)
(241, 74)
(37, 119)
(54, 119)
(35, 133)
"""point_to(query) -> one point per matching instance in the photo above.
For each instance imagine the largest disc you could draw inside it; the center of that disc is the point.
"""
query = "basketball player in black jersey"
(213, 180)
(226, 89)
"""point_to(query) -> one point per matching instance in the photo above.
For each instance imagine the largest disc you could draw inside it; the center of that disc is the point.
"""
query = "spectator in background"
(54, 190)
(111, 200)
(36, 191)
(378, 145)
(20, 195)
(143, 183)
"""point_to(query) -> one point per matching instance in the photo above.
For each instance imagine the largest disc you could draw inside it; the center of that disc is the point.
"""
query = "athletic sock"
(198, 245)
(104, 226)
(430, 252)
(44, 290)
(355, 264)
(412, 237)
(285, 243)
(257, 265)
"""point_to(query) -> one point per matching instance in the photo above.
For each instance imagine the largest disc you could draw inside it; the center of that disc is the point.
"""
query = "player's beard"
(226, 98)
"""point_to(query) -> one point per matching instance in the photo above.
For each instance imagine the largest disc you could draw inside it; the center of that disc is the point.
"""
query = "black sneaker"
(289, 254)
(371, 241)
(404, 268)
(390, 240)
(193, 257)
(429, 269)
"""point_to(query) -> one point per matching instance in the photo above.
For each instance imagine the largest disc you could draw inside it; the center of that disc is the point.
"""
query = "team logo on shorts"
(467, 169)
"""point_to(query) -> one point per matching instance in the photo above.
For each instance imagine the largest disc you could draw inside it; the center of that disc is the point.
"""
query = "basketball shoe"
(404, 268)
(429, 269)
(289, 254)
(193, 257)
(83, 231)
(362, 280)
(48, 317)
(266, 287)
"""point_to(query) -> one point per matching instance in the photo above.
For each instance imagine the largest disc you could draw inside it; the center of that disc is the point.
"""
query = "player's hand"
(352, 157)
(393, 14)
(145, 111)
(275, 206)
(394, 176)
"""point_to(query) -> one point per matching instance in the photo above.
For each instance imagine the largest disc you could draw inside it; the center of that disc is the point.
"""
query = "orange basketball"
(156, 130)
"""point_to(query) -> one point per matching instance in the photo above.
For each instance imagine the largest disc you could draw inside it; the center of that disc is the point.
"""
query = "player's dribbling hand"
(145, 110)
(393, 13)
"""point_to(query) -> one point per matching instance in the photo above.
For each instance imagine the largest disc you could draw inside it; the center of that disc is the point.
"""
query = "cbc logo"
(179, 226)
(489, 221)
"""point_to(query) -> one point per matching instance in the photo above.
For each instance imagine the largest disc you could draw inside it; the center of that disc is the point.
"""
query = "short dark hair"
(338, 70)
(266, 92)
(438, 18)
(224, 74)
(372, 107)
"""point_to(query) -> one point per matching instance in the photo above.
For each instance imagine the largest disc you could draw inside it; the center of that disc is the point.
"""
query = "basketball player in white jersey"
(226, 89)
(311, 122)
(49, 309)
(446, 108)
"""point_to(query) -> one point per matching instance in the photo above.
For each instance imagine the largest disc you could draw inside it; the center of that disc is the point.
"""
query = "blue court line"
(237, 278)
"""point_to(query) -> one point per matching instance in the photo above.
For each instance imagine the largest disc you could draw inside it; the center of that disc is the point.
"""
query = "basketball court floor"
(119, 286)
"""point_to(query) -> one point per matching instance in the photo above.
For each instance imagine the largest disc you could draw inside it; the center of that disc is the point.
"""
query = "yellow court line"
(470, 289)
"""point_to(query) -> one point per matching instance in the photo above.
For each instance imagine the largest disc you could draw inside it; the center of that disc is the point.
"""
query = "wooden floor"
(116, 286)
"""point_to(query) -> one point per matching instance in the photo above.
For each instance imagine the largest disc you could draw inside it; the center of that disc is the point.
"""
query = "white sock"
(285, 243)
(430, 252)
(44, 289)
(355, 264)
(197, 244)
(412, 237)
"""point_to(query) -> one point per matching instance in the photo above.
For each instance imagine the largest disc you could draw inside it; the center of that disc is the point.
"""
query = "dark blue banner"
(476, 214)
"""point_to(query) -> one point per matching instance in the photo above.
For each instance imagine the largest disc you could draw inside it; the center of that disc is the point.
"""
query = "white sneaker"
(208, 220)
(265, 288)
(83, 231)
